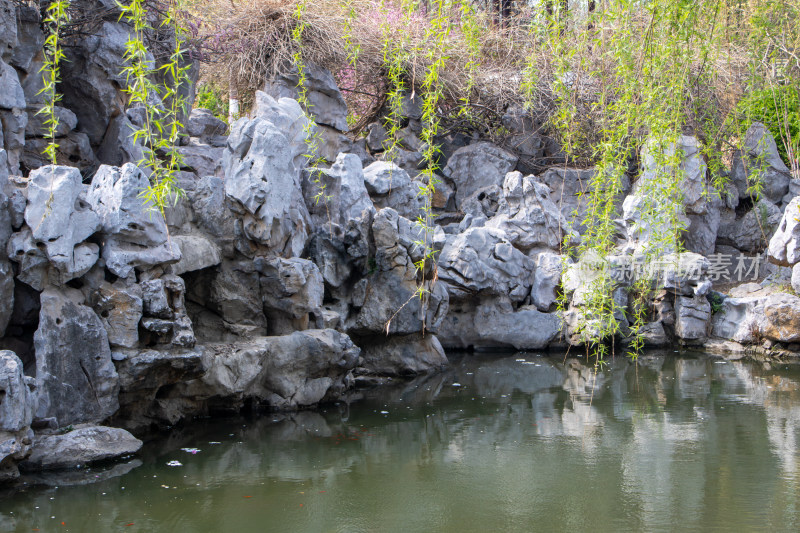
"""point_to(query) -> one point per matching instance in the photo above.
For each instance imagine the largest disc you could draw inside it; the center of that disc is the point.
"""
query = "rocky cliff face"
(256, 290)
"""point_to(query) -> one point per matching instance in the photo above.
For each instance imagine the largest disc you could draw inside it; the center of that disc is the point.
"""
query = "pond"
(498, 443)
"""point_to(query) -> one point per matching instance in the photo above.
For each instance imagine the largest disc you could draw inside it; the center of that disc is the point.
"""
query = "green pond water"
(497, 443)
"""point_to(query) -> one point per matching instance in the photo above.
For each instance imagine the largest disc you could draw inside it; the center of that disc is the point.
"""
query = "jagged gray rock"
(692, 315)
(204, 125)
(784, 246)
(483, 259)
(119, 306)
(80, 447)
(326, 102)
(18, 394)
(391, 186)
(262, 165)
(759, 162)
(402, 355)
(77, 384)
(284, 372)
(546, 278)
(6, 294)
(197, 252)
(61, 220)
(134, 235)
(476, 166)
(526, 214)
(292, 291)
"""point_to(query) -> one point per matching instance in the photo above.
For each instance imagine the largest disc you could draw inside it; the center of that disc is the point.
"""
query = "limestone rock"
(526, 214)
(752, 232)
(547, 276)
(6, 294)
(67, 121)
(18, 394)
(291, 371)
(391, 186)
(197, 252)
(492, 322)
(92, 80)
(262, 166)
(327, 104)
(135, 236)
(119, 306)
(73, 150)
(483, 259)
(61, 219)
(78, 384)
(79, 447)
(202, 159)
(402, 355)
(291, 289)
(478, 165)
(780, 321)
(17, 407)
(692, 317)
(204, 125)
(759, 162)
(784, 246)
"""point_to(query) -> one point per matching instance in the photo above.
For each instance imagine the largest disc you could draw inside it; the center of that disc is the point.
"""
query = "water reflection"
(496, 443)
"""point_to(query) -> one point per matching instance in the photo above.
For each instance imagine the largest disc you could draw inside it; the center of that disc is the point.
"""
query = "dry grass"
(248, 42)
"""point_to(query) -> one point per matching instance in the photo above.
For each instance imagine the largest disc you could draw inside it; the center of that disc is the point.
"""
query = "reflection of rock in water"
(83, 476)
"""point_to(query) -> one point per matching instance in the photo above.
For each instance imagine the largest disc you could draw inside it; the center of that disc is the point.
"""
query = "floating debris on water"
(174, 463)
(192, 451)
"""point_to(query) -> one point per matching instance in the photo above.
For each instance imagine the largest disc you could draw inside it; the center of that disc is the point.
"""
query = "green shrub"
(213, 98)
(776, 108)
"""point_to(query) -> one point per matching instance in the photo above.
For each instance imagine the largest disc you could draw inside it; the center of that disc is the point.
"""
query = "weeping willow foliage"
(163, 104)
(55, 19)
(627, 78)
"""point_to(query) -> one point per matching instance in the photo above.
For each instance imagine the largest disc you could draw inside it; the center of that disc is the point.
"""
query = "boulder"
(291, 289)
(262, 165)
(751, 233)
(229, 297)
(476, 166)
(483, 259)
(79, 447)
(784, 246)
(492, 322)
(325, 100)
(202, 159)
(119, 306)
(164, 312)
(546, 278)
(692, 315)
(402, 355)
(61, 220)
(780, 321)
(78, 384)
(197, 252)
(92, 80)
(284, 372)
(759, 162)
(204, 125)
(17, 407)
(390, 186)
(527, 216)
(35, 268)
(119, 146)
(135, 236)
(18, 393)
(36, 127)
(8, 29)
(569, 188)
(656, 204)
